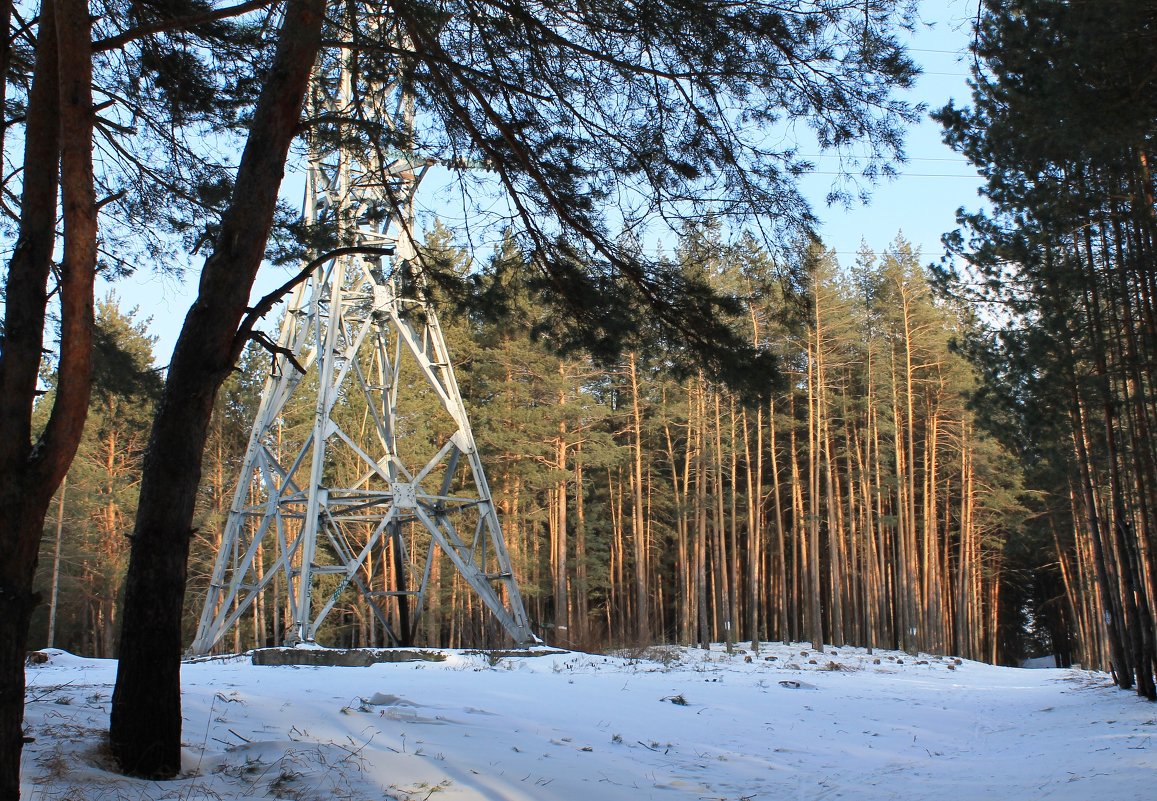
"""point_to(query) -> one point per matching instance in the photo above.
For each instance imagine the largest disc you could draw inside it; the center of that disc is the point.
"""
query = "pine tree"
(104, 477)
(1061, 127)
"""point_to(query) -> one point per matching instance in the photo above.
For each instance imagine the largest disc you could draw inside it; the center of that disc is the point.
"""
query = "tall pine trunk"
(57, 156)
(145, 731)
(638, 524)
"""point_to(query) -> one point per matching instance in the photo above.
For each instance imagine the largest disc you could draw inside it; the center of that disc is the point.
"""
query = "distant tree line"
(861, 504)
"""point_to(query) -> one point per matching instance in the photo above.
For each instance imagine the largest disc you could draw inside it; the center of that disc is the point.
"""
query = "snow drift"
(785, 722)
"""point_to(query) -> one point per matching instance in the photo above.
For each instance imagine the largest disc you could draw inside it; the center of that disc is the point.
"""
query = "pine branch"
(266, 304)
(177, 24)
(262, 339)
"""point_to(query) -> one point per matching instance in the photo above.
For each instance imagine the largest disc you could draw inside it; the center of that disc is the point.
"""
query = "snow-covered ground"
(668, 723)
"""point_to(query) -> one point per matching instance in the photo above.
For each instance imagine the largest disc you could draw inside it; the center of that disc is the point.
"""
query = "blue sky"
(921, 202)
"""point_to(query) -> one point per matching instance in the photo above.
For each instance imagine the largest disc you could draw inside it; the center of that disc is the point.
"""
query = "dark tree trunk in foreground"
(19, 361)
(58, 157)
(145, 726)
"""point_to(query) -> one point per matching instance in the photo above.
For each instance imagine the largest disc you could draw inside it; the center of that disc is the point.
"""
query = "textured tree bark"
(58, 155)
(145, 729)
(20, 499)
(17, 601)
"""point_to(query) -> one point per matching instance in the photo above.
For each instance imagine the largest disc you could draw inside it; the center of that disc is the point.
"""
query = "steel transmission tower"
(357, 495)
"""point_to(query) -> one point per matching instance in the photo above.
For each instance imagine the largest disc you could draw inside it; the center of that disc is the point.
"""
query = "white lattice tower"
(354, 499)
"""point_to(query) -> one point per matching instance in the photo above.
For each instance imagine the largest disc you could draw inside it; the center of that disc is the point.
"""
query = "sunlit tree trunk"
(814, 626)
(753, 478)
(581, 587)
(701, 521)
(780, 598)
(638, 524)
(799, 534)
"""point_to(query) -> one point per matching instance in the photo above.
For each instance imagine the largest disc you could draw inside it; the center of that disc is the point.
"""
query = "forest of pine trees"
(730, 438)
(860, 504)
(1061, 271)
(85, 549)
(955, 460)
